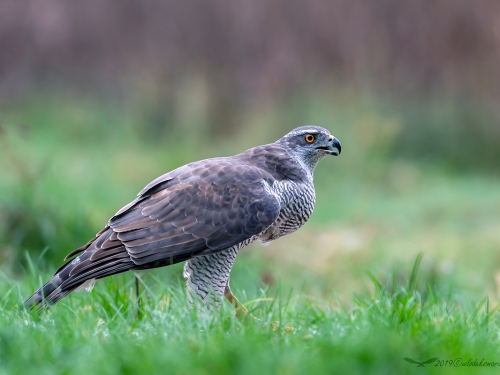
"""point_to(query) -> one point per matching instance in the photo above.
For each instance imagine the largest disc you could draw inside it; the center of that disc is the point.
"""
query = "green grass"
(351, 282)
(106, 332)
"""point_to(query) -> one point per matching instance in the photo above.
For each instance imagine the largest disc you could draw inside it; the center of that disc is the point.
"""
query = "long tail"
(104, 257)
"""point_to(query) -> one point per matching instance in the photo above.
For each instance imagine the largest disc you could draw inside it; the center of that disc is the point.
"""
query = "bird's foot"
(242, 312)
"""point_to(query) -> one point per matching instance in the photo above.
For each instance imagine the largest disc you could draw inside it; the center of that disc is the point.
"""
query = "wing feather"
(200, 208)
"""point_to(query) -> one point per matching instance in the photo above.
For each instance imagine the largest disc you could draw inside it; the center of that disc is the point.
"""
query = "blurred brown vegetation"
(251, 50)
(217, 58)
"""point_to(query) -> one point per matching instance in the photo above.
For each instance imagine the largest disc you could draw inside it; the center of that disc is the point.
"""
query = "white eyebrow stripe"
(304, 131)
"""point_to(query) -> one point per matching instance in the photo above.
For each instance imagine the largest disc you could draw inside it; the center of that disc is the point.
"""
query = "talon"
(240, 309)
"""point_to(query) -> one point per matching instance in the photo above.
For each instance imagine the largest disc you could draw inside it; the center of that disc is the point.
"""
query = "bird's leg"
(240, 309)
(243, 311)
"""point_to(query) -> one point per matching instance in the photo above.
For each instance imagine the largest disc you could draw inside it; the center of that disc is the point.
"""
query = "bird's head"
(310, 144)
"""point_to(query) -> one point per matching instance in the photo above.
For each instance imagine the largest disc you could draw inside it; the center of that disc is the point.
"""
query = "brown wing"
(200, 208)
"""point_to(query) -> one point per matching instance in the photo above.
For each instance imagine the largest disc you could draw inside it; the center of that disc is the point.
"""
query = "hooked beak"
(333, 147)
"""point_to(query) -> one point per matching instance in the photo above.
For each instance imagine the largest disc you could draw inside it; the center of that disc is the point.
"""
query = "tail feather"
(93, 263)
(46, 294)
(108, 269)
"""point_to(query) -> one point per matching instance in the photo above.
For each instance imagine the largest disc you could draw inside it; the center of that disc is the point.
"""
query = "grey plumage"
(203, 213)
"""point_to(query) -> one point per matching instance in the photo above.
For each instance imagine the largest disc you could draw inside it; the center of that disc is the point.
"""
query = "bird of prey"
(203, 213)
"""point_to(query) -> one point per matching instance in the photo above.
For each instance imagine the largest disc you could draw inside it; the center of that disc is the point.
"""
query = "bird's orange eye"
(310, 138)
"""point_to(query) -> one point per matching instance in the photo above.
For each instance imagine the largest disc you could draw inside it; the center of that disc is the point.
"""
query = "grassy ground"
(102, 332)
(351, 282)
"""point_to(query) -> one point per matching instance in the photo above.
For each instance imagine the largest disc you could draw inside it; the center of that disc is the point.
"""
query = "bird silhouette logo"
(421, 364)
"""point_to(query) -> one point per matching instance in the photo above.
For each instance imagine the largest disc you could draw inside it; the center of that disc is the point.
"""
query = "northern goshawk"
(203, 213)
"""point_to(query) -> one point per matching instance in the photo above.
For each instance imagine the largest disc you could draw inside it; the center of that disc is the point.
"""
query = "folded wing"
(201, 208)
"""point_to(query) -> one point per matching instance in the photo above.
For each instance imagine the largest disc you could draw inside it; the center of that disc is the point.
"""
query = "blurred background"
(99, 97)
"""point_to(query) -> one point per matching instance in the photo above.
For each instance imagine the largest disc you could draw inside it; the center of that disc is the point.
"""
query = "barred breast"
(297, 202)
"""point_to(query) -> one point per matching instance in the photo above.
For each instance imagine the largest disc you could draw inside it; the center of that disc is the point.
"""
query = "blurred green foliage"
(67, 165)
(77, 162)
